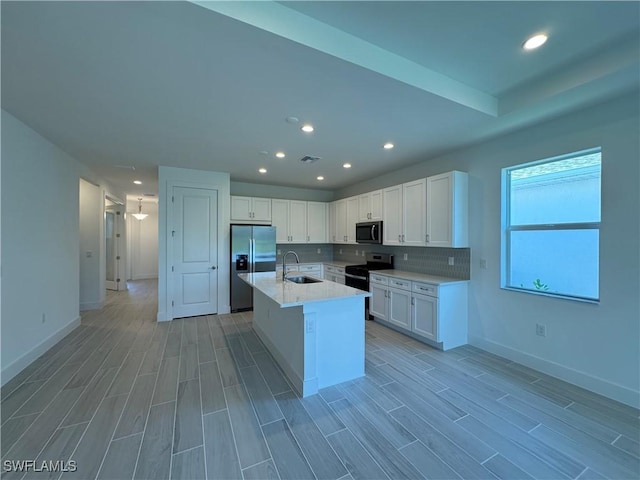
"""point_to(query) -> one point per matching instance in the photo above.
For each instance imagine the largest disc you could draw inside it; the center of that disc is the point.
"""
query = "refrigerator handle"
(252, 260)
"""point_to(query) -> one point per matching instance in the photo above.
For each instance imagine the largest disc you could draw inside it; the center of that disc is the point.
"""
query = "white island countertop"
(290, 294)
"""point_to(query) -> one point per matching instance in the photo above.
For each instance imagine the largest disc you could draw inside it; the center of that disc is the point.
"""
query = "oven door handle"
(349, 275)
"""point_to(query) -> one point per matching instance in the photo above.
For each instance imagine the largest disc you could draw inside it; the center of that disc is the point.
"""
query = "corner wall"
(40, 230)
(594, 346)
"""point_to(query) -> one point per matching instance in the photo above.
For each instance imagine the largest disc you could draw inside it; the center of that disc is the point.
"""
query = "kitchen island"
(315, 331)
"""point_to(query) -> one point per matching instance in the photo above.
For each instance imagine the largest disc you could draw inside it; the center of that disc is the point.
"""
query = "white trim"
(91, 306)
(15, 367)
(575, 377)
(148, 276)
(162, 317)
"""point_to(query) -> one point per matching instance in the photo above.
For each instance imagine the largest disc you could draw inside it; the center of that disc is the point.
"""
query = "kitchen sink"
(302, 279)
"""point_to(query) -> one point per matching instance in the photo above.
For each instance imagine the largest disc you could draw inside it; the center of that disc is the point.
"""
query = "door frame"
(121, 243)
(170, 177)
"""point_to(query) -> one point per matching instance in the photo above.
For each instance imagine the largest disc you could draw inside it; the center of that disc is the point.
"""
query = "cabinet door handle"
(427, 238)
(413, 301)
(403, 238)
(308, 238)
(399, 238)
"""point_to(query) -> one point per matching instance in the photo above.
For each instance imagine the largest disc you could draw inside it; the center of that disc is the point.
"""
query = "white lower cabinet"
(424, 316)
(429, 312)
(334, 273)
(378, 303)
(400, 303)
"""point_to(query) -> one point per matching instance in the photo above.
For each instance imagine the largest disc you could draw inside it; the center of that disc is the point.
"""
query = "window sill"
(554, 295)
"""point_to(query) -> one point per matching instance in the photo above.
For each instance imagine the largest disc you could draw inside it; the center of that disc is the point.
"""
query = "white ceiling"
(208, 85)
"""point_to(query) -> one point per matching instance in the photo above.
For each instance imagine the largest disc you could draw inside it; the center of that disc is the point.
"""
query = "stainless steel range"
(357, 276)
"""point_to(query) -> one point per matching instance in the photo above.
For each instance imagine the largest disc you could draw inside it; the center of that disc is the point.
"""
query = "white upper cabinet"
(370, 206)
(447, 210)
(414, 205)
(297, 221)
(352, 219)
(317, 221)
(404, 209)
(392, 215)
(340, 221)
(250, 209)
(343, 218)
(280, 219)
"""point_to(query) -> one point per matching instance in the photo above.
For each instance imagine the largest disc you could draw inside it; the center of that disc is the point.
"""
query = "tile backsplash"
(307, 252)
(429, 260)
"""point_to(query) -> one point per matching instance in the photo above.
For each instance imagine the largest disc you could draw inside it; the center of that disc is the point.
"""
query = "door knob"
(213, 267)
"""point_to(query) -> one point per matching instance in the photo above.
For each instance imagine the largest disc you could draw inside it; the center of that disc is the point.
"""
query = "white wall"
(275, 191)
(40, 229)
(168, 177)
(594, 346)
(143, 241)
(91, 288)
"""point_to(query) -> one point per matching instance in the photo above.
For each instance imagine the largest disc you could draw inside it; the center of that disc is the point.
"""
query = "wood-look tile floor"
(126, 397)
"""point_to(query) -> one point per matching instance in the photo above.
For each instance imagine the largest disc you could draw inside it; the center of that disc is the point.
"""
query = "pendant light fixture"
(140, 215)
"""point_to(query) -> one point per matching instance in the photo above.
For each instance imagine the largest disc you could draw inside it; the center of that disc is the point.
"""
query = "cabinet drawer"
(339, 270)
(401, 284)
(330, 268)
(425, 289)
(379, 279)
(309, 268)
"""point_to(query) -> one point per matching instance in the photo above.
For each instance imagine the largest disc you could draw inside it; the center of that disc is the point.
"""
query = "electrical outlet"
(319, 251)
(406, 256)
(279, 252)
(483, 263)
(451, 261)
(357, 253)
(340, 251)
(363, 253)
(88, 254)
(541, 330)
(44, 317)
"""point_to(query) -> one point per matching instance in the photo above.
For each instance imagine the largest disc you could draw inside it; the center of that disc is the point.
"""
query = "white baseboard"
(91, 306)
(570, 375)
(15, 367)
(148, 276)
(162, 317)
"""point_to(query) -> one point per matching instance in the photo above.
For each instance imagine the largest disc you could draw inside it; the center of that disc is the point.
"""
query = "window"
(551, 226)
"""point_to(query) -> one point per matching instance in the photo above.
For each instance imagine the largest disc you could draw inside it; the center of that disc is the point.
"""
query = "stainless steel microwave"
(369, 232)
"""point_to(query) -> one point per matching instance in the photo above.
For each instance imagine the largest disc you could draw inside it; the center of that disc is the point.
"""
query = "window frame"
(508, 229)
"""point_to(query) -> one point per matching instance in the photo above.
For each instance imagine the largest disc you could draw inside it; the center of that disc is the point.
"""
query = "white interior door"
(195, 251)
(114, 248)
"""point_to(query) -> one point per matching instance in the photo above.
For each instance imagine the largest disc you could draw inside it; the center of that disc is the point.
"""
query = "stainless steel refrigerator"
(253, 249)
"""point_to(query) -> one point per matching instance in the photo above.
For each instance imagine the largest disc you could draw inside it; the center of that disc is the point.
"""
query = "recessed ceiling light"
(320, 177)
(388, 146)
(346, 165)
(535, 41)
(307, 128)
(262, 170)
(137, 182)
(280, 154)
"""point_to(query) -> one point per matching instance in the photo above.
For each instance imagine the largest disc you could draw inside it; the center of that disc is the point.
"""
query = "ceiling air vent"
(309, 159)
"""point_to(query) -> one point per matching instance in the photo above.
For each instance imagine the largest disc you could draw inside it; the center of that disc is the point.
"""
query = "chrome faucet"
(284, 263)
